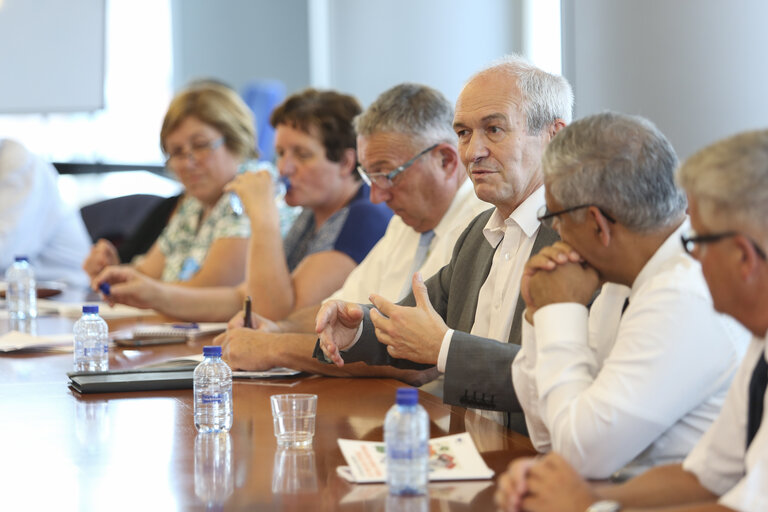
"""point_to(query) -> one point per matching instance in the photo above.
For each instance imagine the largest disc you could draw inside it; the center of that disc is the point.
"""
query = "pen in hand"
(247, 322)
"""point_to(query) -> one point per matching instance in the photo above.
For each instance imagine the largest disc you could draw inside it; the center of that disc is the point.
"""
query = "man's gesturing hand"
(413, 333)
(337, 323)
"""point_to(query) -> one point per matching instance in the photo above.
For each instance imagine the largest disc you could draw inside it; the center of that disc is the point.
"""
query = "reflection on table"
(140, 451)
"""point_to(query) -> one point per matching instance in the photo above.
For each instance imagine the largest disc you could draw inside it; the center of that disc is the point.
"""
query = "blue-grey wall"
(240, 40)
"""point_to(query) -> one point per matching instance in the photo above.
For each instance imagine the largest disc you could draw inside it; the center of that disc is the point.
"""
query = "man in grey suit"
(465, 320)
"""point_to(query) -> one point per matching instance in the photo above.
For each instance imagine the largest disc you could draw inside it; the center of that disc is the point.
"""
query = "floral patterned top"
(185, 241)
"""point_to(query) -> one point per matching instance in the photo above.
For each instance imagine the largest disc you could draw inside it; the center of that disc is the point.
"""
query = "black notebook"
(131, 380)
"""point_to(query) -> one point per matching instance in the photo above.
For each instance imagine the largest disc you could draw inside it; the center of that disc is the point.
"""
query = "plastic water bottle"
(21, 293)
(282, 184)
(213, 392)
(91, 342)
(406, 434)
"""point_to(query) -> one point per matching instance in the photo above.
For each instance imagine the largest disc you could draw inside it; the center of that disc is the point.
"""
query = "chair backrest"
(116, 219)
(262, 96)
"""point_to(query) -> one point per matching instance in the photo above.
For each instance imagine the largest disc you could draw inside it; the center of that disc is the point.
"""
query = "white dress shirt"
(387, 266)
(721, 461)
(609, 390)
(34, 220)
(513, 239)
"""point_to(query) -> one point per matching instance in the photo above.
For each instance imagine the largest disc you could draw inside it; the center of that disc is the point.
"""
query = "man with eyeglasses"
(727, 187)
(465, 320)
(407, 150)
(634, 381)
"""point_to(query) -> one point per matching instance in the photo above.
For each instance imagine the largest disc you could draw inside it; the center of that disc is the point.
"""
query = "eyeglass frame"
(691, 239)
(203, 148)
(544, 216)
(371, 178)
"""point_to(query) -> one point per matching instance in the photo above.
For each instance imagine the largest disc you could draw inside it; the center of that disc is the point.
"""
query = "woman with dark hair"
(316, 154)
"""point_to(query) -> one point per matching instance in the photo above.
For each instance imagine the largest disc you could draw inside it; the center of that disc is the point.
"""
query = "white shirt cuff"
(558, 322)
(442, 357)
(357, 337)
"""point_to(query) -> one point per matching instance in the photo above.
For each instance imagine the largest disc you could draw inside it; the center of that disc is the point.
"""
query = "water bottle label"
(403, 453)
(212, 398)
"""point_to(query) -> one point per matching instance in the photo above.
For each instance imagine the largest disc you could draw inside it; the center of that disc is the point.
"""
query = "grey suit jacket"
(478, 370)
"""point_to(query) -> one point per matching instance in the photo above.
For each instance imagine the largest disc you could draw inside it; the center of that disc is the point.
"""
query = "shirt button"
(507, 256)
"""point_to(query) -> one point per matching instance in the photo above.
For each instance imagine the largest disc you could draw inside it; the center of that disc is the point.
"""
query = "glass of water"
(294, 419)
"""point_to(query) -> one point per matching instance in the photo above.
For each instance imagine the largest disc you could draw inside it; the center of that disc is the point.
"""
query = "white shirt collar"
(524, 216)
(671, 247)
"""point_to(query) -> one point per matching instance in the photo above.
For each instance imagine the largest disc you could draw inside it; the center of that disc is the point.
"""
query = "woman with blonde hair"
(207, 135)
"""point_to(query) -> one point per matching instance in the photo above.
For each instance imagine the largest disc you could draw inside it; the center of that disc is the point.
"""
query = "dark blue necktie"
(757, 387)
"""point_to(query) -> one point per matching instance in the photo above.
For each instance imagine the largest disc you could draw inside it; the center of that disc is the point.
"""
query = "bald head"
(545, 97)
(505, 117)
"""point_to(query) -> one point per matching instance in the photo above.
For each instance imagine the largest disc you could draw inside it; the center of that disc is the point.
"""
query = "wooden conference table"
(140, 451)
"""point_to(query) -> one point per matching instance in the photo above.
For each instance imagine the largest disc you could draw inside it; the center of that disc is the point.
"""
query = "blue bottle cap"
(212, 350)
(285, 181)
(407, 396)
(104, 288)
(91, 308)
(21, 258)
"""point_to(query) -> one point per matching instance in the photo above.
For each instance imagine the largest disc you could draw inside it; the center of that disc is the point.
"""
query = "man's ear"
(348, 162)
(555, 127)
(602, 225)
(449, 158)
(750, 259)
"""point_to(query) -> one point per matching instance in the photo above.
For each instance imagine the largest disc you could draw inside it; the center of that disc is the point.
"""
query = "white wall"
(51, 56)
(376, 45)
(358, 46)
(697, 68)
(240, 40)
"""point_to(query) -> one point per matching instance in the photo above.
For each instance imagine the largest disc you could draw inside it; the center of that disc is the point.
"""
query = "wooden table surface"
(140, 451)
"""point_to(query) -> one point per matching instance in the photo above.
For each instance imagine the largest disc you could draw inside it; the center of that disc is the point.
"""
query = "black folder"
(115, 381)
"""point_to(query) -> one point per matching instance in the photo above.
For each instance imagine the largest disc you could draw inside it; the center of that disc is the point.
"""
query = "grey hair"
(413, 109)
(729, 182)
(546, 97)
(619, 162)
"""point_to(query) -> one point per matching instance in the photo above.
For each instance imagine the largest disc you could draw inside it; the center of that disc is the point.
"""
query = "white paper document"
(16, 341)
(452, 457)
(75, 310)
(236, 374)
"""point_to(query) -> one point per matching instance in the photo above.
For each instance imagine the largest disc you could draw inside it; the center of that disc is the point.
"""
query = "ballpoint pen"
(247, 322)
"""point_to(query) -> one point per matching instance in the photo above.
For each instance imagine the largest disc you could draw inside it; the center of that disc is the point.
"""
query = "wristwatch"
(604, 506)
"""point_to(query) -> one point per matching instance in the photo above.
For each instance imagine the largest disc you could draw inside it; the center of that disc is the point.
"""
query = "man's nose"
(380, 195)
(476, 148)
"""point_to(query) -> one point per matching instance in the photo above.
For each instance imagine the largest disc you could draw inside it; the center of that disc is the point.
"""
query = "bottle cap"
(21, 258)
(407, 396)
(212, 350)
(285, 181)
(91, 308)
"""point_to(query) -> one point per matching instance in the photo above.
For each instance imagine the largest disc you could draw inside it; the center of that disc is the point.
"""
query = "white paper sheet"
(16, 341)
